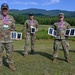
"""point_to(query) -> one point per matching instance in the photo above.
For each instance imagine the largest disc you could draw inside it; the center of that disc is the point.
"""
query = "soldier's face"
(61, 18)
(4, 11)
(31, 17)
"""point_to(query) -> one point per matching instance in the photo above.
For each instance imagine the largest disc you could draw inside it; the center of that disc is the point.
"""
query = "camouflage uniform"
(29, 36)
(5, 41)
(61, 39)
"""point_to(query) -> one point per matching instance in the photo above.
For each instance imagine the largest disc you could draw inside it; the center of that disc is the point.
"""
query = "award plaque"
(33, 29)
(52, 32)
(13, 35)
(70, 32)
(19, 36)
(67, 33)
(16, 35)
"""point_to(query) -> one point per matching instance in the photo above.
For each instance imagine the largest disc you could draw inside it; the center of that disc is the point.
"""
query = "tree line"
(43, 20)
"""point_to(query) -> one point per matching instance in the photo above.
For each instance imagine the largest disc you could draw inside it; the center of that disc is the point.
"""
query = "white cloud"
(3, 1)
(49, 2)
(42, 2)
(55, 1)
(18, 3)
(25, 3)
(33, 3)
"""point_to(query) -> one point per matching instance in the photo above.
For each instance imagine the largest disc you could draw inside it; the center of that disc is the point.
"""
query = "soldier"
(61, 39)
(7, 24)
(30, 37)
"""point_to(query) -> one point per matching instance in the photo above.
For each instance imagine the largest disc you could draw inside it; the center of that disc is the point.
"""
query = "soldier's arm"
(54, 26)
(68, 26)
(13, 25)
(37, 26)
(25, 29)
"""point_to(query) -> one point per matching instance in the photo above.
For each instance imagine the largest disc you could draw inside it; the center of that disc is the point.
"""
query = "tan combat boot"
(54, 60)
(32, 51)
(68, 61)
(1, 63)
(25, 54)
(12, 67)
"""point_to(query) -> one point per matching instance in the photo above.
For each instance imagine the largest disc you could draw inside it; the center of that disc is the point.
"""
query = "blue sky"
(41, 4)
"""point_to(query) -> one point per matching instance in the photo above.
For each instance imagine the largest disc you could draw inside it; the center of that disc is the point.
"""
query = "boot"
(12, 67)
(68, 61)
(54, 60)
(32, 51)
(25, 54)
(1, 57)
(1, 63)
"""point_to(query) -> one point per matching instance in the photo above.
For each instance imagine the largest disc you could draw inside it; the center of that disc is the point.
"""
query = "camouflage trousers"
(65, 46)
(9, 49)
(30, 40)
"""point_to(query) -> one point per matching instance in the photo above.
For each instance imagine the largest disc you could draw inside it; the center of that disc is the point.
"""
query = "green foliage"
(43, 34)
(44, 20)
(72, 38)
(71, 21)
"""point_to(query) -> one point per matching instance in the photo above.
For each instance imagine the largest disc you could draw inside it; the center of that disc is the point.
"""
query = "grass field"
(41, 62)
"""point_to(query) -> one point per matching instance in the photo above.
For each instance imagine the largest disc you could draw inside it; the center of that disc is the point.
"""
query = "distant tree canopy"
(43, 20)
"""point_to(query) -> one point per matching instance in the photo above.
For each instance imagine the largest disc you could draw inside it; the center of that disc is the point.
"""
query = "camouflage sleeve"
(37, 25)
(68, 26)
(54, 26)
(13, 24)
(24, 28)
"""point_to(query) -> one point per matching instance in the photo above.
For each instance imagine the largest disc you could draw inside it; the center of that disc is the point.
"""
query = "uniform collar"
(31, 20)
(4, 16)
(61, 21)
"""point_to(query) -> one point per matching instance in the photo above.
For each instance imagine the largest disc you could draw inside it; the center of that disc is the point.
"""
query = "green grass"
(41, 62)
(19, 27)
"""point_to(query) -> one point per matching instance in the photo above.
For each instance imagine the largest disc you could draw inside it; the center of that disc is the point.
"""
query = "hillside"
(42, 12)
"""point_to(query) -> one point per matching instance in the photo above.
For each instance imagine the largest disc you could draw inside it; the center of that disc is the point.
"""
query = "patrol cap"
(31, 14)
(61, 15)
(4, 6)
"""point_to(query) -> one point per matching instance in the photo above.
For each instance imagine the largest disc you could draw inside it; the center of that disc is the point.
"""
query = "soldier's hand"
(24, 37)
(16, 39)
(36, 30)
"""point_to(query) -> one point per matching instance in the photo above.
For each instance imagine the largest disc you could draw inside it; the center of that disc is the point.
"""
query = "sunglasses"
(4, 9)
(61, 17)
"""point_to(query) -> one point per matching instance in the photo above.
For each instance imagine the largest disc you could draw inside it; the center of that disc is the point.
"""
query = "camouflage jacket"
(61, 31)
(27, 26)
(5, 32)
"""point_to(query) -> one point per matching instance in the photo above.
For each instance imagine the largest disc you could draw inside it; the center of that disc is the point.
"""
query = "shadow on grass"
(61, 49)
(20, 52)
(49, 56)
(61, 59)
(72, 51)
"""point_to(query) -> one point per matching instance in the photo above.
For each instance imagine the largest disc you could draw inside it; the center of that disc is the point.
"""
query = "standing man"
(7, 24)
(61, 39)
(30, 37)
